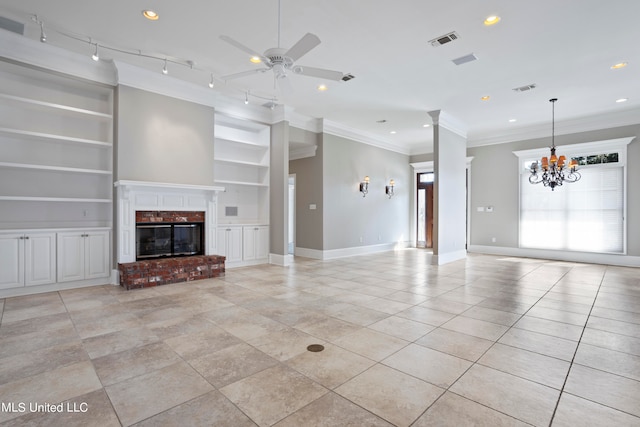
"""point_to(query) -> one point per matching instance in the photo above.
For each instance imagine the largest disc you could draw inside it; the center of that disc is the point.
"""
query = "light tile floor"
(492, 341)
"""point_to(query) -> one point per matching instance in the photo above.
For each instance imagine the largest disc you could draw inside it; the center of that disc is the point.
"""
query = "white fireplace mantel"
(135, 196)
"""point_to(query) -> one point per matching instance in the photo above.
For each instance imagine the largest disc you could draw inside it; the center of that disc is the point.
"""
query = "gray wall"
(349, 217)
(309, 190)
(163, 139)
(495, 182)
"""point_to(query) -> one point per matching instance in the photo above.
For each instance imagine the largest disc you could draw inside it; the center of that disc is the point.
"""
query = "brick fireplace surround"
(143, 201)
(145, 274)
(148, 273)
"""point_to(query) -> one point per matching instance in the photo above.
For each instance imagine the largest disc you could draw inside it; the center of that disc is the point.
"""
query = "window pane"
(584, 216)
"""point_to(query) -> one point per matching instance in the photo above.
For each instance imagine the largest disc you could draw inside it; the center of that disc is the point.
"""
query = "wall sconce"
(364, 186)
(388, 189)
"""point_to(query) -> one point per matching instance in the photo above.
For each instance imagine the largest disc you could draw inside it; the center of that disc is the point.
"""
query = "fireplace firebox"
(169, 240)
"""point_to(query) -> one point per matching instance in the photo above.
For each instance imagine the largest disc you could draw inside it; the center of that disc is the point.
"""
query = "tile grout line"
(584, 328)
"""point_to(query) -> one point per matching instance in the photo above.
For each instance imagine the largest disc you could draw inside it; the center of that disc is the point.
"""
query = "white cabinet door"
(255, 242)
(70, 256)
(83, 255)
(234, 244)
(249, 243)
(40, 258)
(229, 241)
(262, 242)
(96, 249)
(11, 260)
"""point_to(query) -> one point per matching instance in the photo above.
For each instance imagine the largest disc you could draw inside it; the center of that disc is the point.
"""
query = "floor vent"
(439, 41)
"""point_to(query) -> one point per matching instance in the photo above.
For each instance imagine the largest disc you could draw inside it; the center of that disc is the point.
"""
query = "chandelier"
(553, 171)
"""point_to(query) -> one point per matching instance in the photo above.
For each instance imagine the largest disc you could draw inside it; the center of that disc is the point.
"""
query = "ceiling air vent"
(348, 77)
(464, 59)
(439, 41)
(525, 88)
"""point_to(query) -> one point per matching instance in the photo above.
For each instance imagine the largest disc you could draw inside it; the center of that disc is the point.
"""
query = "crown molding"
(343, 131)
(607, 120)
(15, 47)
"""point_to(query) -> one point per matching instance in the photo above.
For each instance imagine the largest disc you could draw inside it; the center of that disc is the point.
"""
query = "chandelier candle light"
(554, 168)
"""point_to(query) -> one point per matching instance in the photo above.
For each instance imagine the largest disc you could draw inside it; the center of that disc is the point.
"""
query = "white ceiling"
(564, 47)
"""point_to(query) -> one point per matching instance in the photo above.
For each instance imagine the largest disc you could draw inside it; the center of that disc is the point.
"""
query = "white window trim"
(618, 145)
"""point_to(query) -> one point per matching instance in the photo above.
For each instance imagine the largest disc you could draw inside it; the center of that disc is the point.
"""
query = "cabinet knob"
(26, 237)
(256, 229)
(228, 229)
(21, 237)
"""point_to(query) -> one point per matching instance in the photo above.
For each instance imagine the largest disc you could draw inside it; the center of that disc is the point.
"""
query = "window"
(586, 216)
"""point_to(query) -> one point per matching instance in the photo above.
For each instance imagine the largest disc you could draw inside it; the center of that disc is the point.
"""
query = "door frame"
(422, 167)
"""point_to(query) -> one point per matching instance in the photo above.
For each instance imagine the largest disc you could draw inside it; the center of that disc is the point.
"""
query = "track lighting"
(43, 36)
(211, 84)
(164, 68)
(95, 55)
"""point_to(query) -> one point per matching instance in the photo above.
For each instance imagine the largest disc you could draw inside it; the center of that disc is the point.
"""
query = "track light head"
(43, 36)
(246, 97)
(211, 84)
(165, 71)
(95, 55)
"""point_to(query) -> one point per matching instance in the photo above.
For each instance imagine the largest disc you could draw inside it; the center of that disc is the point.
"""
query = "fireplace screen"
(169, 240)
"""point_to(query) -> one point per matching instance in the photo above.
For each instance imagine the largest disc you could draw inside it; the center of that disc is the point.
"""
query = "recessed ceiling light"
(619, 65)
(491, 20)
(393, 132)
(622, 100)
(512, 120)
(485, 98)
(150, 14)
(426, 125)
(255, 59)
(322, 87)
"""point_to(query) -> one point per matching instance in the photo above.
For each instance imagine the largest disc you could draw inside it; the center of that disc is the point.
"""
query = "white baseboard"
(448, 257)
(347, 252)
(281, 260)
(586, 257)
(53, 287)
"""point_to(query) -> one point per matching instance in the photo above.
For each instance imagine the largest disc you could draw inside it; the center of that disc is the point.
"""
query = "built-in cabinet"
(47, 257)
(27, 259)
(242, 161)
(83, 255)
(255, 242)
(243, 245)
(230, 243)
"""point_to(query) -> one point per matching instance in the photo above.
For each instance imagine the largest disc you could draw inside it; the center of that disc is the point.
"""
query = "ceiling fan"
(283, 61)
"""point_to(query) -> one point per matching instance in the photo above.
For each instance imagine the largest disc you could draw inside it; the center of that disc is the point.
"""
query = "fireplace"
(169, 240)
(162, 234)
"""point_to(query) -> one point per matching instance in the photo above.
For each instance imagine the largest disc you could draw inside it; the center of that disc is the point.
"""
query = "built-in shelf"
(257, 145)
(56, 149)
(53, 199)
(54, 168)
(252, 184)
(50, 136)
(241, 162)
(68, 108)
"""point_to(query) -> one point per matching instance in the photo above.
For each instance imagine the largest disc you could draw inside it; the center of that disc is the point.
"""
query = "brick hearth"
(149, 273)
(168, 216)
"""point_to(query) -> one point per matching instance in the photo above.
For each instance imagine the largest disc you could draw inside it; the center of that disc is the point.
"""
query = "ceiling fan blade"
(243, 74)
(304, 45)
(242, 47)
(318, 72)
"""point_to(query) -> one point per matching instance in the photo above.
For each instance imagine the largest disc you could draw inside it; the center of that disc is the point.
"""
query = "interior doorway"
(424, 214)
